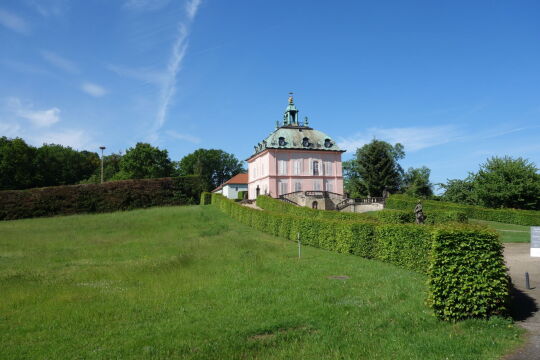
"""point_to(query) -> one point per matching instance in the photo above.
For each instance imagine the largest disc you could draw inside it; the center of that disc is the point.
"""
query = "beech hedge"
(390, 216)
(464, 264)
(96, 198)
(510, 216)
(206, 198)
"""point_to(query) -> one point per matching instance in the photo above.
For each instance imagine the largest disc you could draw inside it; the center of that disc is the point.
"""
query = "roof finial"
(291, 101)
(306, 123)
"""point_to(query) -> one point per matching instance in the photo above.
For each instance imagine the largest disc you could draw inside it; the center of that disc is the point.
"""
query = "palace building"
(296, 159)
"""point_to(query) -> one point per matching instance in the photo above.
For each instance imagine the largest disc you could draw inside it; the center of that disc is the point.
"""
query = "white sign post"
(535, 241)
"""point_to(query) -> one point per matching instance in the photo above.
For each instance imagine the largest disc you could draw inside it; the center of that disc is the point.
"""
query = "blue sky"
(455, 82)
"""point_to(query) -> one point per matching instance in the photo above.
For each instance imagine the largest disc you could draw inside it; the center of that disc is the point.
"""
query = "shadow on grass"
(523, 306)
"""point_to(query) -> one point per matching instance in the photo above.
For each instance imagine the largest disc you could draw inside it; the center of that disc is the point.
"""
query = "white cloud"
(38, 118)
(412, 138)
(42, 118)
(77, 139)
(93, 89)
(175, 62)
(60, 62)
(48, 8)
(186, 137)
(13, 22)
(191, 8)
(21, 119)
(9, 129)
(145, 5)
(146, 75)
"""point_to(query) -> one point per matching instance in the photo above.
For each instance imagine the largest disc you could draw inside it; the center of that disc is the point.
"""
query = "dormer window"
(328, 143)
(305, 142)
(282, 141)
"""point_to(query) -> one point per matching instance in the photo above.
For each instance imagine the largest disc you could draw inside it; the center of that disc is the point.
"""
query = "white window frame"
(329, 185)
(313, 162)
(317, 185)
(328, 168)
(298, 167)
(297, 186)
(283, 187)
(282, 167)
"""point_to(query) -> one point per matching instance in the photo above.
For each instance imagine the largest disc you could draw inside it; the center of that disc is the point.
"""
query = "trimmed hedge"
(240, 195)
(468, 275)
(510, 216)
(389, 216)
(96, 198)
(460, 286)
(206, 198)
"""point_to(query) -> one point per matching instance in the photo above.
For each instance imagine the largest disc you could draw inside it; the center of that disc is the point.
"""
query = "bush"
(95, 198)
(510, 216)
(464, 264)
(206, 198)
(468, 275)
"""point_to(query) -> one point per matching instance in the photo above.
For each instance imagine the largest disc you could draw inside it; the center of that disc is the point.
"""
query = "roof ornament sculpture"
(291, 100)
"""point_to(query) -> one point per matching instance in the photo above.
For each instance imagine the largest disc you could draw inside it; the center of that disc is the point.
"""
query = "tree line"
(500, 182)
(23, 166)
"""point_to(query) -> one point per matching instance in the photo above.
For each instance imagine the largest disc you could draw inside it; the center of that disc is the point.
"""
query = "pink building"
(295, 158)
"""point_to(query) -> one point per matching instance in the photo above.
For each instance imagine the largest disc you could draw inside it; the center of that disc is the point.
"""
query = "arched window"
(314, 205)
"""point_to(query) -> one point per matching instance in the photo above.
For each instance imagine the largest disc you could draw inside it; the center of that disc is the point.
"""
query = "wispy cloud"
(413, 138)
(186, 137)
(93, 89)
(38, 118)
(192, 7)
(21, 119)
(60, 62)
(145, 5)
(13, 22)
(178, 53)
(146, 75)
(49, 8)
(78, 139)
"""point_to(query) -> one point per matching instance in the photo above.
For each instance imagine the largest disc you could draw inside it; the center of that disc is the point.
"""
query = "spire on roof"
(290, 117)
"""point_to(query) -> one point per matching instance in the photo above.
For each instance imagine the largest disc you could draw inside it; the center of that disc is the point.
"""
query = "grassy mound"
(190, 283)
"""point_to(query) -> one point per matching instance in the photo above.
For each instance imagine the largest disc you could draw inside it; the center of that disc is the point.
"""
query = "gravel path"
(526, 302)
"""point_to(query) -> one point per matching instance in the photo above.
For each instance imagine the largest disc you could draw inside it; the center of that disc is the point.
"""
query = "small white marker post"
(299, 245)
(535, 241)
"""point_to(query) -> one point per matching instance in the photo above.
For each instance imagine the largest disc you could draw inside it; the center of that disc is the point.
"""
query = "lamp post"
(102, 148)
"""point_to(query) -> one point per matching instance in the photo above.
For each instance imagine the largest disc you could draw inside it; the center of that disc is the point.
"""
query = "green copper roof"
(292, 134)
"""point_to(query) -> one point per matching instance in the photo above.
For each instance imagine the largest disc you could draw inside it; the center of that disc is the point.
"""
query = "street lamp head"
(102, 147)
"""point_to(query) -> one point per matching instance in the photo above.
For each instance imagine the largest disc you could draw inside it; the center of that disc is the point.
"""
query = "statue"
(418, 211)
(386, 193)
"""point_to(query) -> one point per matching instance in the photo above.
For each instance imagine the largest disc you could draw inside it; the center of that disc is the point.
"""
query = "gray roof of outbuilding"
(293, 137)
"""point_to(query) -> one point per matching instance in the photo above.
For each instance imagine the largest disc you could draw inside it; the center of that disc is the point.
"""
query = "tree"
(144, 162)
(416, 182)
(111, 167)
(508, 182)
(354, 187)
(61, 165)
(460, 191)
(377, 166)
(16, 164)
(213, 166)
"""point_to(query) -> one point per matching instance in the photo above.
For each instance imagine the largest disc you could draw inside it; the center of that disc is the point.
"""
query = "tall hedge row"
(390, 216)
(510, 216)
(95, 198)
(464, 264)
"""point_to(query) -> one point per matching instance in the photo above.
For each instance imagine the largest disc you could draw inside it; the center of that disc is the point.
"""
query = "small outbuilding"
(231, 187)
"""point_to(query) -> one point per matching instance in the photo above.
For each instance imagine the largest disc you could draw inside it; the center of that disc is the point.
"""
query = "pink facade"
(280, 171)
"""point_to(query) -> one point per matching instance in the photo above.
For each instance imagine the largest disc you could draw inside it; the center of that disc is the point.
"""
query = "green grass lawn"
(188, 282)
(508, 232)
